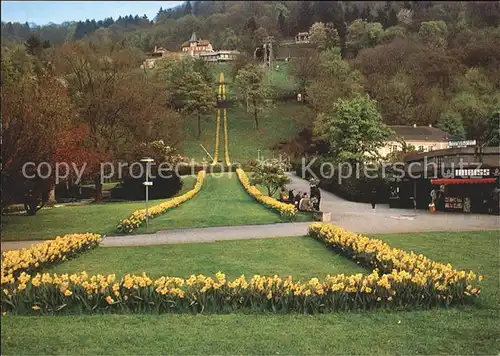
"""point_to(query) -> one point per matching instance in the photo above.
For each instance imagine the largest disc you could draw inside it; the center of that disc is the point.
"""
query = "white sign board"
(465, 143)
(472, 172)
(148, 183)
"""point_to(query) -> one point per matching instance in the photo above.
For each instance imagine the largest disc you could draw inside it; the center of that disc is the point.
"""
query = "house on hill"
(302, 37)
(423, 138)
(196, 46)
(158, 53)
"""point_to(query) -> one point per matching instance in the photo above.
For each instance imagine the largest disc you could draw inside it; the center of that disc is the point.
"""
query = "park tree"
(250, 83)
(335, 78)
(433, 33)
(270, 174)
(452, 122)
(391, 33)
(197, 96)
(332, 36)
(120, 106)
(35, 108)
(318, 35)
(304, 67)
(395, 97)
(362, 34)
(477, 101)
(354, 129)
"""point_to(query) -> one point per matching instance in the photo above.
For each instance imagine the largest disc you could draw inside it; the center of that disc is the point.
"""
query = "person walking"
(373, 197)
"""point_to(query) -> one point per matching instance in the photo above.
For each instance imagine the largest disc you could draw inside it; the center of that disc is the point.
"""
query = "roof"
(193, 37)
(419, 133)
(198, 42)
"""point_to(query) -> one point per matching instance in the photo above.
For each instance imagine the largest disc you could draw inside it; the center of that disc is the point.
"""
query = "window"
(394, 148)
(421, 148)
(430, 148)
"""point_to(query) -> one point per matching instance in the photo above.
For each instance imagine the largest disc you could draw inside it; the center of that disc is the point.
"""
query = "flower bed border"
(400, 280)
(138, 217)
(287, 211)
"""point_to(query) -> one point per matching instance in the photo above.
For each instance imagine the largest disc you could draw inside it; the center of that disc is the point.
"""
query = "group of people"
(302, 201)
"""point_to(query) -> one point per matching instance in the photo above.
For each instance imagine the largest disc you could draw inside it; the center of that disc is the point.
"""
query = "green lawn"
(280, 123)
(467, 330)
(222, 201)
(300, 257)
(99, 218)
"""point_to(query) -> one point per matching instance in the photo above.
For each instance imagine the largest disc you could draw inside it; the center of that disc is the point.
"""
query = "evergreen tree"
(33, 45)
(188, 8)
(393, 18)
(281, 23)
(251, 25)
(382, 18)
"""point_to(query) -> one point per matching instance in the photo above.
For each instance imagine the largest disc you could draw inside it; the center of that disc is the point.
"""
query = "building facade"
(195, 47)
(461, 179)
(302, 37)
(220, 56)
(423, 138)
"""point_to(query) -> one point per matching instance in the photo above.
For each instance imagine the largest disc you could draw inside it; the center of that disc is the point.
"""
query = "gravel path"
(357, 217)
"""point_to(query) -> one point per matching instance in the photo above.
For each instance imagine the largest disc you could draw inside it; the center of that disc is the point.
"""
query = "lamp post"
(147, 183)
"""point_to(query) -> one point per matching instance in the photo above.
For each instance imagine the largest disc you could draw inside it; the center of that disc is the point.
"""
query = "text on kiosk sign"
(472, 172)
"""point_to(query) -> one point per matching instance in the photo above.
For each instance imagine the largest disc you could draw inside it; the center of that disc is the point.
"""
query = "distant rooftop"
(419, 133)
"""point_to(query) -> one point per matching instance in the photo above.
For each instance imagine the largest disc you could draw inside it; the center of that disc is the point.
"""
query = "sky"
(44, 12)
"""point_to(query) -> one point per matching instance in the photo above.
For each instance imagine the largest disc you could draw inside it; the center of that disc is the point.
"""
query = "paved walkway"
(357, 217)
(361, 218)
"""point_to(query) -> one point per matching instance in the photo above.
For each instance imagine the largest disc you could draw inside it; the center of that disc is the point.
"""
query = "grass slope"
(280, 123)
(99, 218)
(222, 201)
(300, 257)
(470, 330)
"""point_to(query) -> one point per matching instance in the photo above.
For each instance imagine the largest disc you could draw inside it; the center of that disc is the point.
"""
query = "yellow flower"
(68, 293)
(36, 308)
(109, 300)
(481, 278)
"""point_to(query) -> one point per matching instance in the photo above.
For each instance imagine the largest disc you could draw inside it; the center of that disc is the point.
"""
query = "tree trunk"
(199, 126)
(98, 188)
(255, 114)
(52, 195)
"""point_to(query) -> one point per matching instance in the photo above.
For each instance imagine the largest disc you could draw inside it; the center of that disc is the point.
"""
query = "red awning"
(462, 181)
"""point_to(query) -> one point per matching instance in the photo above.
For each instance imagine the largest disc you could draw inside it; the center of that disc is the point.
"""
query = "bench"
(322, 216)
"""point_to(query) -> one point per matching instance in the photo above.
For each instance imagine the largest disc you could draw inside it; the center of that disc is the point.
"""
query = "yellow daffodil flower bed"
(38, 256)
(217, 129)
(400, 280)
(226, 141)
(138, 217)
(287, 211)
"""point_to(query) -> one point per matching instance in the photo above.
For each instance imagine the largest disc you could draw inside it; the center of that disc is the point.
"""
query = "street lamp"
(147, 183)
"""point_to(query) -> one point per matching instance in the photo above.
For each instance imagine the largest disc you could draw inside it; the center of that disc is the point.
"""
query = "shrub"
(133, 188)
